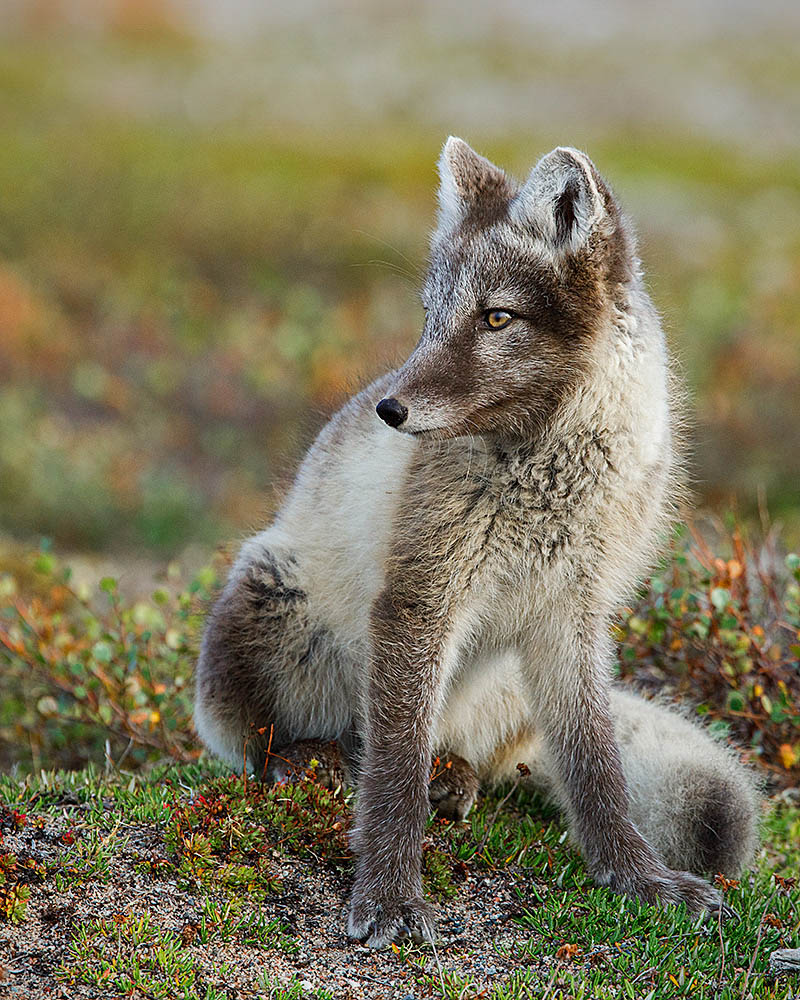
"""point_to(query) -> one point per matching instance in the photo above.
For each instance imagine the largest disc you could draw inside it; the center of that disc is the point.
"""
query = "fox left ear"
(564, 200)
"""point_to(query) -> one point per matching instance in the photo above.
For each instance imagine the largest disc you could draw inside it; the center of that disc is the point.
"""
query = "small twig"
(751, 966)
(664, 957)
(371, 979)
(721, 946)
(437, 774)
(439, 967)
(125, 753)
(763, 511)
(550, 985)
(266, 756)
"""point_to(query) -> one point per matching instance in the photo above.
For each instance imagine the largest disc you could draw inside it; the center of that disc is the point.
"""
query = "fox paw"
(308, 757)
(453, 787)
(661, 885)
(382, 922)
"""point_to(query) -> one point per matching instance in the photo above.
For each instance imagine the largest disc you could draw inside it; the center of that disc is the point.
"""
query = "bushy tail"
(689, 795)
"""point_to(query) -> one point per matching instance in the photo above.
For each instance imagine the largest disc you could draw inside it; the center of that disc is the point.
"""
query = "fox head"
(521, 280)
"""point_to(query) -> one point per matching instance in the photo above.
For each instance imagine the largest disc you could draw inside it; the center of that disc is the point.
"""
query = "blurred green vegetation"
(89, 673)
(186, 289)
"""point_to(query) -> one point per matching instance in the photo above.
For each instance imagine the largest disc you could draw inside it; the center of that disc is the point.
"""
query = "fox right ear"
(563, 200)
(466, 180)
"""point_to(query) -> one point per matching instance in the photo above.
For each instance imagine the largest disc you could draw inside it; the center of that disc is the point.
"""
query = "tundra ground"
(188, 882)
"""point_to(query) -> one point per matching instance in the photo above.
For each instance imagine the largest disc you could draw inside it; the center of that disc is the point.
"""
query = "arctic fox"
(442, 576)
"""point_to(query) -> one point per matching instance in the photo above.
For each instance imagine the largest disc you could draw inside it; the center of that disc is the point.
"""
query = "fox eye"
(497, 318)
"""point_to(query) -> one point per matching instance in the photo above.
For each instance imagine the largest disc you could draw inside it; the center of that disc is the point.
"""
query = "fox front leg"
(573, 710)
(393, 805)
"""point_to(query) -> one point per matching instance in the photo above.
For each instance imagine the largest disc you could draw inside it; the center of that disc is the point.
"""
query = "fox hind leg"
(253, 674)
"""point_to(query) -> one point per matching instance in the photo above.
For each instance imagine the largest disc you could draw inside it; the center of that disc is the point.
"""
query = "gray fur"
(449, 585)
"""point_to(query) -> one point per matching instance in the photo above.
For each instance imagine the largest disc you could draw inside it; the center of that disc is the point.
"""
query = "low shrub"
(723, 631)
(93, 675)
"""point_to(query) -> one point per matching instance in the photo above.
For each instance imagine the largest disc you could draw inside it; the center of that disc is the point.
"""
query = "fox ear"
(564, 199)
(467, 179)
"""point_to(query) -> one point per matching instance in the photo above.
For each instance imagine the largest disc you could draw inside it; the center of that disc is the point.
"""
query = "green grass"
(233, 851)
(292, 991)
(89, 859)
(127, 954)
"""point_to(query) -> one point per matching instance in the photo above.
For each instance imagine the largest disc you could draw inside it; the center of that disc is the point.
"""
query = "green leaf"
(719, 728)
(102, 652)
(778, 714)
(735, 701)
(720, 596)
(44, 563)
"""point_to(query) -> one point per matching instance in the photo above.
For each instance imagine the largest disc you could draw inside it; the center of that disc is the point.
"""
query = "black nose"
(392, 412)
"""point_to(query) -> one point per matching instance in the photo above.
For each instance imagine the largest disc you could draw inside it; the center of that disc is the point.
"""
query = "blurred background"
(213, 218)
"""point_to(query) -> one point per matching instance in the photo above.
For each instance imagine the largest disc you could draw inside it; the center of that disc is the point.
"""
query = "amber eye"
(497, 318)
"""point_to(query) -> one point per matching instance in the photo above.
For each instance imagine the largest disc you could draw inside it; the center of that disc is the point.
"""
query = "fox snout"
(392, 412)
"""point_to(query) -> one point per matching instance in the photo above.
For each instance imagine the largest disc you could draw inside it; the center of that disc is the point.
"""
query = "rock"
(785, 960)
